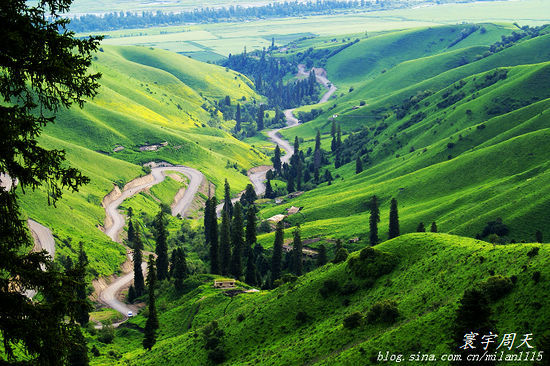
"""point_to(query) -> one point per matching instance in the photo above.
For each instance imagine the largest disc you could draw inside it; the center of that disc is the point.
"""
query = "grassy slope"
(147, 96)
(443, 266)
(411, 163)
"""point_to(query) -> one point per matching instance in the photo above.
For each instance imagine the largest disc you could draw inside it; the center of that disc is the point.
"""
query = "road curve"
(195, 180)
(43, 240)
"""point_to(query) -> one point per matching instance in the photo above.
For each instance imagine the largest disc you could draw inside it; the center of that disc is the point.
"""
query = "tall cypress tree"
(338, 137)
(207, 220)
(214, 248)
(139, 285)
(433, 228)
(161, 248)
(260, 119)
(358, 165)
(297, 252)
(180, 268)
(276, 259)
(277, 160)
(84, 306)
(227, 205)
(374, 220)
(225, 244)
(290, 184)
(251, 226)
(237, 242)
(238, 118)
(131, 232)
(420, 228)
(393, 231)
(269, 190)
(152, 323)
(318, 141)
(322, 256)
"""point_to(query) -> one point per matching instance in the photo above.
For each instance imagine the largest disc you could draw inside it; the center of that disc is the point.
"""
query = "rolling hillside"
(297, 324)
(459, 143)
(148, 97)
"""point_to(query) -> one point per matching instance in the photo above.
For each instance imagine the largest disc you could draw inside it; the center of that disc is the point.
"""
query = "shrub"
(383, 312)
(371, 263)
(496, 287)
(106, 334)
(289, 277)
(240, 318)
(341, 255)
(217, 355)
(533, 252)
(349, 288)
(95, 351)
(536, 276)
(329, 287)
(353, 320)
(302, 317)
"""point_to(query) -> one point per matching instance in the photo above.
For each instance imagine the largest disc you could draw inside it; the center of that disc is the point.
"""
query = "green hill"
(423, 275)
(147, 97)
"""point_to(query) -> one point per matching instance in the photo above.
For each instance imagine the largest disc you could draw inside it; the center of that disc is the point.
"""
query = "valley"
(360, 181)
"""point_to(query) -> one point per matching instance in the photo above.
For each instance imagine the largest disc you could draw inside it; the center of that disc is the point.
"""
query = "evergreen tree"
(333, 129)
(393, 231)
(227, 205)
(161, 248)
(269, 190)
(131, 294)
(433, 229)
(338, 245)
(328, 177)
(44, 69)
(338, 137)
(290, 184)
(374, 220)
(251, 275)
(131, 232)
(249, 195)
(297, 252)
(538, 236)
(84, 306)
(238, 118)
(318, 141)
(251, 226)
(296, 146)
(322, 256)
(78, 354)
(358, 165)
(276, 259)
(139, 284)
(260, 119)
(237, 242)
(421, 228)
(225, 244)
(277, 160)
(152, 323)
(207, 220)
(214, 248)
(180, 268)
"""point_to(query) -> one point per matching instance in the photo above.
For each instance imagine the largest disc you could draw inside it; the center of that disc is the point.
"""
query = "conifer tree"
(249, 195)
(225, 244)
(139, 285)
(277, 257)
(237, 242)
(161, 248)
(227, 205)
(290, 184)
(328, 177)
(358, 165)
(251, 275)
(333, 129)
(207, 220)
(84, 306)
(238, 118)
(152, 323)
(260, 119)
(297, 252)
(180, 268)
(131, 232)
(277, 160)
(214, 248)
(318, 141)
(421, 228)
(393, 231)
(338, 137)
(374, 220)
(251, 226)
(538, 236)
(322, 256)
(269, 190)
(433, 229)
(131, 294)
